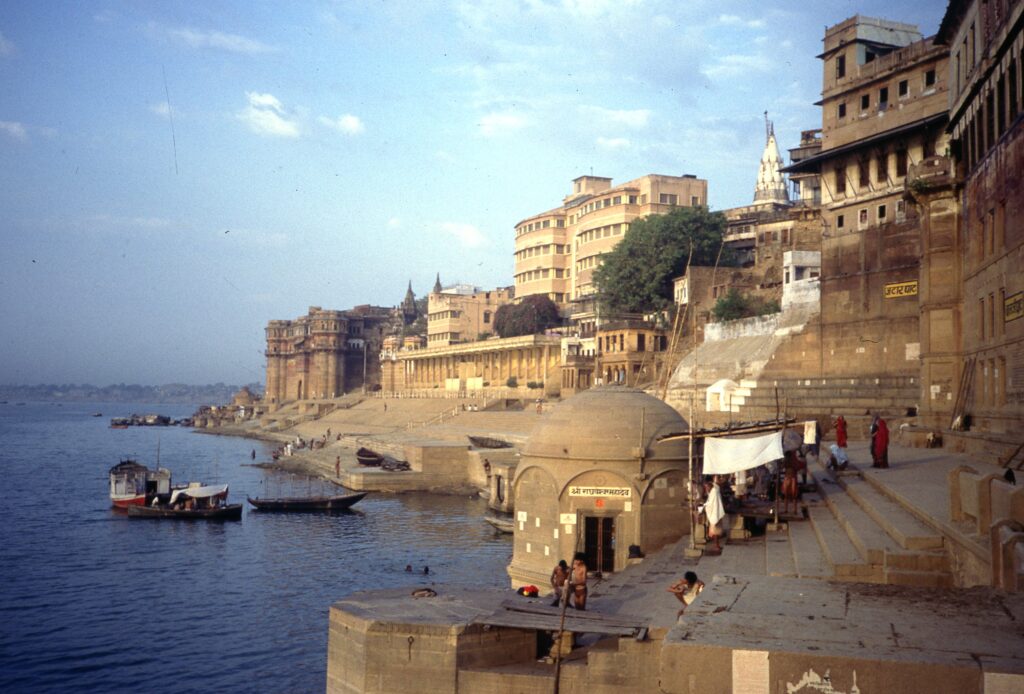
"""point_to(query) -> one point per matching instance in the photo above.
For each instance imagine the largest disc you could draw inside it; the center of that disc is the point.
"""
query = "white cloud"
(467, 234)
(635, 118)
(14, 129)
(394, 223)
(161, 109)
(220, 40)
(612, 142)
(265, 115)
(6, 47)
(494, 124)
(736, 20)
(347, 124)
(738, 65)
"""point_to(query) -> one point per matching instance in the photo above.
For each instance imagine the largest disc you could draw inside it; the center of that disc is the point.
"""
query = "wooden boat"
(307, 504)
(191, 503)
(225, 512)
(367, 457)
(501, 523)
(134, 484)
(488, 442)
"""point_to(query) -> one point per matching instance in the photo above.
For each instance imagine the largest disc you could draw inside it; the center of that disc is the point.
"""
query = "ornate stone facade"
(324, 354)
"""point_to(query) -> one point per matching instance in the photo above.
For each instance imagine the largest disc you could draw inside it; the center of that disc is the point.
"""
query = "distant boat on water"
(134, 484)
(307, 504)
(191, 503)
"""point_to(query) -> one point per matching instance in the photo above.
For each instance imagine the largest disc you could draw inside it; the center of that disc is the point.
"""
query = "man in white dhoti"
(714, 512)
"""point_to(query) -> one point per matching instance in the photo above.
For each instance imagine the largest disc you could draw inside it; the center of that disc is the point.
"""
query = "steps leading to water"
(856, 531)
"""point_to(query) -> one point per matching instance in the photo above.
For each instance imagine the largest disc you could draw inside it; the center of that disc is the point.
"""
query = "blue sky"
(177, 174)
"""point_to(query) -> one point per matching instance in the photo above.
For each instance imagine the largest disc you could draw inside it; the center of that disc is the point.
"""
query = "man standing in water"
(578, 582)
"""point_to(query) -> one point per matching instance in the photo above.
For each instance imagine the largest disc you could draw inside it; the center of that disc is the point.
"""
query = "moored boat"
(307, 504)
(192, 503)
(134, 484)
(367, 457)
(500, 522)
(488, 442)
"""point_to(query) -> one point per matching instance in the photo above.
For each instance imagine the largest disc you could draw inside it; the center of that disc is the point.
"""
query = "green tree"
(534, 314)
(637, 275)
(738, 305)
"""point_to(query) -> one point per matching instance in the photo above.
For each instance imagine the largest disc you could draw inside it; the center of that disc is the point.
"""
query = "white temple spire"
(771, 185)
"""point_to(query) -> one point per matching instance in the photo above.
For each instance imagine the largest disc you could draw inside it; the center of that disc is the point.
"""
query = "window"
(880, 172)
(862, 218)
(901, 162)
(487, 317)
(903, 88)
(840, 221)
(990, 119)
(865, 102)
(883, 98)
(881, 214)
(929, 78)
(668, 199)
(841, 67)
(901, 210)
(1001, 111)
(841, 112)
(694, 200)
(840, 181)
(1014, 106)
(863, 172)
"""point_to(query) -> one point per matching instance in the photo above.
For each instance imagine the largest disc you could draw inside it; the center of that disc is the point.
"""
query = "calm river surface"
(91, 601)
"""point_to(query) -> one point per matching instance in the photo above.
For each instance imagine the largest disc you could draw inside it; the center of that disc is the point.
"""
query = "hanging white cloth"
(725, 456)
(810, 432)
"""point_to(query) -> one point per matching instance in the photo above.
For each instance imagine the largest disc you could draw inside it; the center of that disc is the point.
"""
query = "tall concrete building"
(462, 313)
(884, 92)
(557, 251)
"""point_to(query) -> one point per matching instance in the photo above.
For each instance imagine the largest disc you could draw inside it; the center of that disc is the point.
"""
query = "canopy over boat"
(206, 492)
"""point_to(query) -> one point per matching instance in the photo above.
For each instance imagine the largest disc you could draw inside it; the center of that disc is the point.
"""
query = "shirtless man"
(578, 581)
(559, 576)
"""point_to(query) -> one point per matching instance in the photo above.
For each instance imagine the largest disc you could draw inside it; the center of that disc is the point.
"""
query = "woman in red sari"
(841, 431)
(879, 443)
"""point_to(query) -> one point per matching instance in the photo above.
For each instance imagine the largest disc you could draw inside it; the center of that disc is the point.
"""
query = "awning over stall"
(724, 456)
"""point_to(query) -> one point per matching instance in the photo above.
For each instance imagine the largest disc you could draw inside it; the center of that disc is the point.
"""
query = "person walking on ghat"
(841, 431)
(337, 466)
(559, 575)
(686, 590)
(578, 581)
(879, 443)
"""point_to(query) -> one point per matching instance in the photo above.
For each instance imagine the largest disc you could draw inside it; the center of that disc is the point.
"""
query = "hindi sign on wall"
(1013, 307)
(899, 289)
(611, 492)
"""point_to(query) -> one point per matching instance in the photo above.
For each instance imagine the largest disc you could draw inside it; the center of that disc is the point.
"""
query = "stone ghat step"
(808, 558)
(840, 553)
(909, 532)
(868, 538)
(779, 560)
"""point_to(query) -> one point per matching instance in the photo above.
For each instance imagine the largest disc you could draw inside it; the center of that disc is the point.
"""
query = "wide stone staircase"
(856, 531)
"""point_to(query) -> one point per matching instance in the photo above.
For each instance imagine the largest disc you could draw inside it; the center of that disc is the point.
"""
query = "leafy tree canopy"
(534, 314)
(737, 305)
(637, 275)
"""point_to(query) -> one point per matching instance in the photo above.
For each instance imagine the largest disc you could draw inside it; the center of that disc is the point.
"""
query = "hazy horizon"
(177, 175)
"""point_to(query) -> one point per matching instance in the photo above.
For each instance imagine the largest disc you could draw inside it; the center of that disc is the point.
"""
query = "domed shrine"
(593, 478)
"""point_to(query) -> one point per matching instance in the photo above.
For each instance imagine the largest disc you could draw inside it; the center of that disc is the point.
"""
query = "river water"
(92, 601)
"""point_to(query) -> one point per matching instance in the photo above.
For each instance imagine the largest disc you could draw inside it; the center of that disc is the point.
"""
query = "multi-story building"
(973, 261)
(556, 252)
(324, 353)
(883, 110)
(463, 313)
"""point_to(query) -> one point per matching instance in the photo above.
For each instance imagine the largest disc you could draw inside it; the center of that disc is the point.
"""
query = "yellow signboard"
(1013, 307)
(895, 291)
